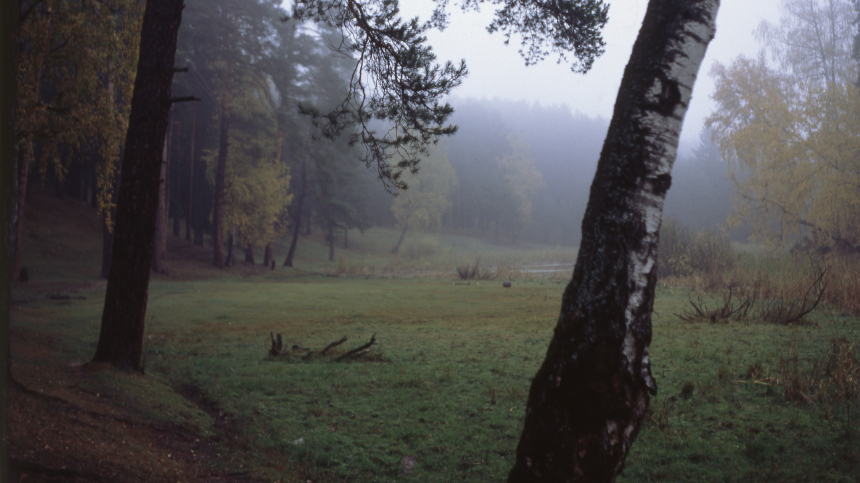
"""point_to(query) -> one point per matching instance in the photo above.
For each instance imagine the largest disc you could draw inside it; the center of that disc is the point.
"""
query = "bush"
(420, 248)
(683, 252)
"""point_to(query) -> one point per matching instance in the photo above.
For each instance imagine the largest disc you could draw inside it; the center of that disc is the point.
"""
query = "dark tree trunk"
(330, 238)
(308, 222)
(176, 126)
(121, 338)
(297, 223)
(400, 241)
(190, 213)
(9, 15)
(345, 238)
(107, 231)
(160, 240)
(269, 255)
(220, 173)
(23, 174)
(229, 260)
(249, 254)
(587, 400)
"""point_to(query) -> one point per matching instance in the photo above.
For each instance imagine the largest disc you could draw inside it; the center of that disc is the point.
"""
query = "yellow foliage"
(256, 182)
(75, 80)
(794, 150)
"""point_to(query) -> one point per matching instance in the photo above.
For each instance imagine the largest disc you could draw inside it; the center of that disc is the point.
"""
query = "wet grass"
(447, 379)
(446, 382)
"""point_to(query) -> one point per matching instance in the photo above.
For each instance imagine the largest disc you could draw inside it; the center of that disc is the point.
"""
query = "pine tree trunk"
(220, 173)
(160, 241)
(121, 337)
(190, 213)
(587, 400)
(297, 223)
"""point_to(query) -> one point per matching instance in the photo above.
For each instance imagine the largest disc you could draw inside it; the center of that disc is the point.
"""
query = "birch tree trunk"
(121, 337)
(588, 398)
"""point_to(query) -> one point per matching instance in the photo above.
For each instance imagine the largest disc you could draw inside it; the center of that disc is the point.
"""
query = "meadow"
(440, 394)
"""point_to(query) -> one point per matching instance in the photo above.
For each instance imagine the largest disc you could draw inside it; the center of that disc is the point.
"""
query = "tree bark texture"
(220, 174)
(8, 95)
(588, 398)
(121, 338)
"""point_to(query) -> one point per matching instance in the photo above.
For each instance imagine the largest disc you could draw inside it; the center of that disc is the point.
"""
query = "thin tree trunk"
(587, 400)
(23, 173)
(400, 241)
(229, 260)
(299, 208)
(121, 337)
(330, 237)
(220, 173)
(161, 213)
(190, 214)
(345, 238)
(107, 231)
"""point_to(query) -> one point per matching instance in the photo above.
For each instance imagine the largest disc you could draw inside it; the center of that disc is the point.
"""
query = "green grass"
(456, 365)
(450, 371)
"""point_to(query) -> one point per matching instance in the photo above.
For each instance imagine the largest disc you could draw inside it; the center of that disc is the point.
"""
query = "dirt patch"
(65, 425)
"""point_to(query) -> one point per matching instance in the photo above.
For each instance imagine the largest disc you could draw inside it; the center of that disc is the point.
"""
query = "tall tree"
(121, 337)
(8, 66)
(587, 401)
(791, 133)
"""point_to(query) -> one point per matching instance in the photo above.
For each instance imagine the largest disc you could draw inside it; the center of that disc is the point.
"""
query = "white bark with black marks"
(588, 399)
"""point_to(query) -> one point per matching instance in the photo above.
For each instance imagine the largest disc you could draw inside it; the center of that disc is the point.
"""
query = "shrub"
(683, 252)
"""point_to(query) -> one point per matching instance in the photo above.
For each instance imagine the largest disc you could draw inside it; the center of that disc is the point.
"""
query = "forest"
(305, 257)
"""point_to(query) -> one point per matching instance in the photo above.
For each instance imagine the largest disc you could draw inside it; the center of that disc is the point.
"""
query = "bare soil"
(59, 430)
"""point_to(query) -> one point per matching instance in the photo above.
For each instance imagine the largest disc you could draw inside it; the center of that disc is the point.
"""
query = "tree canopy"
(396, 90)
(791, 131)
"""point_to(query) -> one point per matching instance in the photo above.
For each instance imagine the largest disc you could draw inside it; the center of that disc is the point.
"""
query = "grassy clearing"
(451, 376)
(445, 385)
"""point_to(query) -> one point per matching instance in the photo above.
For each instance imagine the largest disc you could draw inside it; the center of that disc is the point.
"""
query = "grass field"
(444, 386)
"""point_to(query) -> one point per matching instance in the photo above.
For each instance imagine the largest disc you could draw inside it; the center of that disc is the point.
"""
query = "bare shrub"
(762, 301)
(473, 271)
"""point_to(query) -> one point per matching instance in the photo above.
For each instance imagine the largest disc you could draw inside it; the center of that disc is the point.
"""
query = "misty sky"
(497, 70)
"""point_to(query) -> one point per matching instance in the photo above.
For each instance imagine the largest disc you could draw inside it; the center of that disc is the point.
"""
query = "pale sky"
(498, 71)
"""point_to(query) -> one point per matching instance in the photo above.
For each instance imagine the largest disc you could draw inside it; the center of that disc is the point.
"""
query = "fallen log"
(357, 349)
(334, 344)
